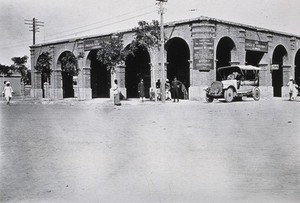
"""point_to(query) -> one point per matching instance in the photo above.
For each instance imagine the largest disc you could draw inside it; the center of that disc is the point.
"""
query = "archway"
(223, 55)
(137, 67)
(253, 57)
(44, 60)
(178, 56)
(100, 76)
(297, 68)
(278, 57)
(67, 79)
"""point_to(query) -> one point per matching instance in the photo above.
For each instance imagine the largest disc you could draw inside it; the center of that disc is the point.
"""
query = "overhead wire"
(108, 24)
(22, 43)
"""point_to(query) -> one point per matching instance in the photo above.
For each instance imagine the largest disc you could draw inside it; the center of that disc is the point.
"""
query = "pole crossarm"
(35, 24)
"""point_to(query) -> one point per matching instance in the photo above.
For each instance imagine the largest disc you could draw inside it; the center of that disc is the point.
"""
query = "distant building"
(195, 49)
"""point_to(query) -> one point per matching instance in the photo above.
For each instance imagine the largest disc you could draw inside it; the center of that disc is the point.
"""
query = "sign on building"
(274, 67)
(203, 54)
(254, 45)
(95, 43)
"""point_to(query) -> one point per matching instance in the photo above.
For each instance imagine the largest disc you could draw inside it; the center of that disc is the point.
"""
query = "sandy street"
(91, 151)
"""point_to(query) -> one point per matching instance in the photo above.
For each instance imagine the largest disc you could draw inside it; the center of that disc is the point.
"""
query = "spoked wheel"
(256, 93)
(209, 99)
(229, 94)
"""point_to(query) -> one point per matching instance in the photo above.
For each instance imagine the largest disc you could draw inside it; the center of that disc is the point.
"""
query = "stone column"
(119, 74)
(36, 90)
(56, 91)
(202, 63)
(286, 70)
(238, 54)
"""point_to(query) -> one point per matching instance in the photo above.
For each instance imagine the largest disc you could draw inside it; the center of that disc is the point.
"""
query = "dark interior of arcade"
(178, 56)
(67, 80)
(223, 55)
(137, 67)
(100, 77)
(277, 75)
(253, 57)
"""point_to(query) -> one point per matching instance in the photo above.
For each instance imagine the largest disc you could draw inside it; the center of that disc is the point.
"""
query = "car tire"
(229, 94)
(209, 99)
(256, 93)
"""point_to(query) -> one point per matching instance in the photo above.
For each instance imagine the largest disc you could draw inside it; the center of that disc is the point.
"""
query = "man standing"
(141, 90)
(175, 89)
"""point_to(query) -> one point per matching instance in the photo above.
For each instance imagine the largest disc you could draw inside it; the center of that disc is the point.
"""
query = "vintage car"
(236, 82)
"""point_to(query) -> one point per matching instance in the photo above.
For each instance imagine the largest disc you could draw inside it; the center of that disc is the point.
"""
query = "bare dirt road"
(91, 151)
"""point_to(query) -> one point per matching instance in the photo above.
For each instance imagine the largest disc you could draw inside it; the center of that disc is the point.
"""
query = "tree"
(147, 35)
(6, 70)
(19, 66)
(43, 65)
(69, 64)
(112, 52)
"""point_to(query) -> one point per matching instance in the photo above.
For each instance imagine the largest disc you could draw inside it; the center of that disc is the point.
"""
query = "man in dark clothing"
(175, 89)
(141, 90)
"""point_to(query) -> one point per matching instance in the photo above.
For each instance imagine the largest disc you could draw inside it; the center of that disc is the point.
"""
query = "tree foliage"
(112, 52)
(43, 64)
(6, 70)
(20, 67)
(147, 35)
(69, 64)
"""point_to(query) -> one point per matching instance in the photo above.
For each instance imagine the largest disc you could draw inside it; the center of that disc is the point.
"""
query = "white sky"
(73, 18)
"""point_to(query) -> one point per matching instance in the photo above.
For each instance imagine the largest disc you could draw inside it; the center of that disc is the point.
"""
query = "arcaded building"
(194, 50)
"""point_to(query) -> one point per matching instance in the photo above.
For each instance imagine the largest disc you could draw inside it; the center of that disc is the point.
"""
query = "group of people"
(7, 92)
(172, 91)
(293, 89)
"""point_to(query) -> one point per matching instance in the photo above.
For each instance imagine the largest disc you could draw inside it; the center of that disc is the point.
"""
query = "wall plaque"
(203, 54)
(94, 43)
(254, 45)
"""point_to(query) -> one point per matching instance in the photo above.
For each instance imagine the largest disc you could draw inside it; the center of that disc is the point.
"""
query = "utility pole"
(162, 49)
(35, 24)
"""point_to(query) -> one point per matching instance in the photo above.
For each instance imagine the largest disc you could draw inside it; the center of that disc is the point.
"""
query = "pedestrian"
(168, 93)
(7, 92)
(291, 86)
(158, 90)
(116, 93)
(141, 90)
(175, 89)
(295, 91)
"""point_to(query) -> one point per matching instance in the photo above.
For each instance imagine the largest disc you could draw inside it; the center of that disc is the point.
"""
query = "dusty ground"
(91, 151)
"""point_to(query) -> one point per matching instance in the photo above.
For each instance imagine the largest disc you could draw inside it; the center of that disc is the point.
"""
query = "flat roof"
(169, 24)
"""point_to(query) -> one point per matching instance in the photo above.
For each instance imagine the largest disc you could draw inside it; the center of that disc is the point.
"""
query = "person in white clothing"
(116, 93)
(7, 92)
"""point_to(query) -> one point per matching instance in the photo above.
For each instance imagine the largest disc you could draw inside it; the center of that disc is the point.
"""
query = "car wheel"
(256, 93)
(209, 99)
(229, 94)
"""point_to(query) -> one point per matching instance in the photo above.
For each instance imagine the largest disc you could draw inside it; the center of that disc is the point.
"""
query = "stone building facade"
(194, 50)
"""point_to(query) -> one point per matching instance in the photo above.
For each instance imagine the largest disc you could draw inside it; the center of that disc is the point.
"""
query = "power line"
(107, 19)
(105, 25)
(108, 24)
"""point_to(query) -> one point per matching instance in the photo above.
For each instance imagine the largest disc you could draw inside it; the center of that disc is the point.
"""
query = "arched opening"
(178, 56)
(277, 75)
(223, 55)
(253, 57)
(137, 67)
(44, 61)
(297, 68)
(67, 78)
(100, 76)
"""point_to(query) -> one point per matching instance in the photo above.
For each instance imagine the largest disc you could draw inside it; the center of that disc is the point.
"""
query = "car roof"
(242, 67)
